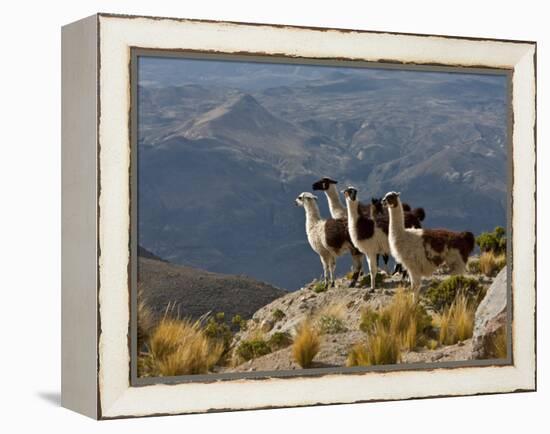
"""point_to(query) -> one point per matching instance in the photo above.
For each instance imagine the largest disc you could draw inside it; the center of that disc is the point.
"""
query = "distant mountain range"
(221, 160)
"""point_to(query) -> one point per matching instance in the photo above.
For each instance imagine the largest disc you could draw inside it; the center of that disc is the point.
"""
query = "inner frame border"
(249, 57)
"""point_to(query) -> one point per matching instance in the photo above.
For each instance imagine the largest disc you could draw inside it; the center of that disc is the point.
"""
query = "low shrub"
(493, 241)
(278, 315)
(238, 322)
(490, 263)
(441, 295)
(320, 286)
(473, 266)
(252, 349)
(306, 344)
(216, 329)
(365, 280)
(369, 319)
(279, 340)
(432, 344)
(329, 325)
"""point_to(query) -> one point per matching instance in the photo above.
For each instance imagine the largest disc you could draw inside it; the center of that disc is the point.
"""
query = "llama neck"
(336, 208)
(397, 221)
(353, 210)
(312, 213)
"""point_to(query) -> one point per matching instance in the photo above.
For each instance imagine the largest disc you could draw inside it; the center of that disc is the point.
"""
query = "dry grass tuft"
(306, 344)
(496, 346)
(382, 348)
(179, 347)
(456, 323)
(145, 319)
(396, 327)
(405, 318)
(490, 263)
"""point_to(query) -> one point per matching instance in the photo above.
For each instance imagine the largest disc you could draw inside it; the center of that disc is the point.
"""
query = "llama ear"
(314, 197)
(398, 193)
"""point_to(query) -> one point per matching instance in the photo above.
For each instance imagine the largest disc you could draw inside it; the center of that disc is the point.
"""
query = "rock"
(490, 315)
(266, 325)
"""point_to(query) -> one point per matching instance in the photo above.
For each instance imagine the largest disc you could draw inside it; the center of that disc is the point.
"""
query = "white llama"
(365, 234)
(421, 251)
(327, 237)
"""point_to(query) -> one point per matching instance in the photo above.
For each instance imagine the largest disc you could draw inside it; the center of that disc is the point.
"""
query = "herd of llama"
(377, 229)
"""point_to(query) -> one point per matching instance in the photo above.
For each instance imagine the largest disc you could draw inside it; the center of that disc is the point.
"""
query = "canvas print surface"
(294, 217)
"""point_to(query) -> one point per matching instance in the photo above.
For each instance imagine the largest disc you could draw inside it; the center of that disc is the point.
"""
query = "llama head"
(391, 199)
(305, 198)
(350, 194)
(323, 184)
(377, 206)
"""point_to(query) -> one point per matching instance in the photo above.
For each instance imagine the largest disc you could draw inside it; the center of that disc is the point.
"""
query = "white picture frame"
(97, 202)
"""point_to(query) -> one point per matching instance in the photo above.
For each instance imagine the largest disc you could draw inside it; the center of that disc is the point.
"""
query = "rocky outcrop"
(490, 318)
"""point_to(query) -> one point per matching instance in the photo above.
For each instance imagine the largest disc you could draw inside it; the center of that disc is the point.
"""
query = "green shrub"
(252, 349)
(279, 340)
(441, 295)
(239, 322)
(369, 318)
(320, 287)
(219, 331)
(365, 280)
(278, 315)
(493, 241)
(473, 266)
(329, 324)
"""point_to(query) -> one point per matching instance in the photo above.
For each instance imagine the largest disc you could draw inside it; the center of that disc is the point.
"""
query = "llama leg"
(386, 258)
(325, 269)
(357, 260)
(416, 281)
(373, 268)
(398, 268)
(332, 268)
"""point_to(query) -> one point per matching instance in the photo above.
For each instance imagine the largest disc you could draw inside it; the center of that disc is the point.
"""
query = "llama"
(413, 219)
(421, 251)
(374, 210)
(338, 211)
(365, 234)
(329, 238)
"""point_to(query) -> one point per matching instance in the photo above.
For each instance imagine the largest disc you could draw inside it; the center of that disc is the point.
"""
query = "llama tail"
(419, 213)
(469, 241)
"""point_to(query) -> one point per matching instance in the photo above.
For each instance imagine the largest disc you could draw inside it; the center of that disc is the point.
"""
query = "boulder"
(490, 317)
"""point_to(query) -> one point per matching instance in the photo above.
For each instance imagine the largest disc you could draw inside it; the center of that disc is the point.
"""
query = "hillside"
(193, 292)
